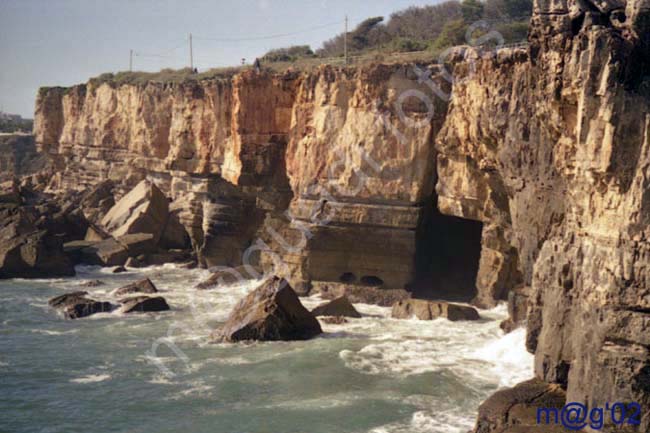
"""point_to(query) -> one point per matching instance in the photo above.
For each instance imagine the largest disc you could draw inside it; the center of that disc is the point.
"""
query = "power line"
(274, 36)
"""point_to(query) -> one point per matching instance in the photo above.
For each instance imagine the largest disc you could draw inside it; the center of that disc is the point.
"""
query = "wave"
(91, 378)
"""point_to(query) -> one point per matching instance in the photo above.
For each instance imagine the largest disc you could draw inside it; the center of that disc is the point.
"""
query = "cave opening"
(448, 250)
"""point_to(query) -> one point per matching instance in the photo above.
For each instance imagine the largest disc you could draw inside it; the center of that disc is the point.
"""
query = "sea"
(160, 372)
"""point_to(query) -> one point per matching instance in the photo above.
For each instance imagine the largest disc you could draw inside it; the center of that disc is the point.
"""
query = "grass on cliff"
(164, 76)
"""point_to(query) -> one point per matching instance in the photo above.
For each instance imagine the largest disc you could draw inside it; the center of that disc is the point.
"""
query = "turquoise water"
(374, 374)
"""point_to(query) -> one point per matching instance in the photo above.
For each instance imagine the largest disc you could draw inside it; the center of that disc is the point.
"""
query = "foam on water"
(91, 378)
(387, 375)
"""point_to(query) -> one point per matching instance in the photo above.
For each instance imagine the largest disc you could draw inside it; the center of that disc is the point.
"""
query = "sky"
(65, 42)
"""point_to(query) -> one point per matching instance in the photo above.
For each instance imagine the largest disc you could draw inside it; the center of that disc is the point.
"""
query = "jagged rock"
(97, 201)
(145, 209)
(106, 253)
(76, 305)
(227, 277)
(119, 270)
(138, 243)
(337, 307)
(514, 410)
(429, 310)
(29, 246)
(142, 286)
(270, 312)
(60, 300)
(142, 304)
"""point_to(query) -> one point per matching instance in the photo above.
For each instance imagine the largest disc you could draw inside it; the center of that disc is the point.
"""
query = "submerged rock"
(270, 312)
(334, 320)
(92, 283)
(142, 286)
(142, 304)
(338, 307)
(76, 305)
(429, 310)
(227, 277)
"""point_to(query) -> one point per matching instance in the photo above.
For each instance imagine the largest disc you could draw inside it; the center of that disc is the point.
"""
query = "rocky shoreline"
(527, 183)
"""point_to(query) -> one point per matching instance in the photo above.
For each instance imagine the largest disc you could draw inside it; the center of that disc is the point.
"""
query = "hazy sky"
(64, 42)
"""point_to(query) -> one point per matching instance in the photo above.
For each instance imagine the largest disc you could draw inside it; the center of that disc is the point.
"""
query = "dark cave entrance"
(448, 250)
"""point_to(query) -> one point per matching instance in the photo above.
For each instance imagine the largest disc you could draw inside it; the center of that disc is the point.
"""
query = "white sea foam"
(91, 378)
(49, 332)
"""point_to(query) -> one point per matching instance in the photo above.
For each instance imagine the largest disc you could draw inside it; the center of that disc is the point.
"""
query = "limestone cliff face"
(206, 143)
(361, 159)
(550, 149)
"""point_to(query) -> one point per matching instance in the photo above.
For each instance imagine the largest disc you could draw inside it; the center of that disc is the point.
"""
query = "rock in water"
(142, 286)
(514, 410)
(338, 307)
(143, 304)
(227, 277)
(270, 312)
(76, 305)
(429, 310)
(145, 209)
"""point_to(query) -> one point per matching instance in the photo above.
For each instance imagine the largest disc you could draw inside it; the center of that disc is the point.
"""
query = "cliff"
(528, 184)
(549, 149)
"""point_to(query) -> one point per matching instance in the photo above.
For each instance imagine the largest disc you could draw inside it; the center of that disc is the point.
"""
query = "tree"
(472, 10)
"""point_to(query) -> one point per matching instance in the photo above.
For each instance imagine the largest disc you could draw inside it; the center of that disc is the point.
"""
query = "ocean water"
(159, 373)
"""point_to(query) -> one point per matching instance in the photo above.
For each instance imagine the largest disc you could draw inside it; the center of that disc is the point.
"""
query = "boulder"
(361, 294)
(514, 410)
(29, 248)
(98, 200)
(142, 286)
(429, 310)
(143, 304)
(226, 277)
(108, 252)
(76, 305)
(341, 307)
(138, 243)
(145, 209)
(270, 312)
(119, 270)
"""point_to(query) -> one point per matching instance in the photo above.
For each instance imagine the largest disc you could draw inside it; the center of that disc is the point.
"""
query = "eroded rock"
(270, 312)
(429, 310)
(144, 304)
(340, 307)
(77, 305)
(142, 286)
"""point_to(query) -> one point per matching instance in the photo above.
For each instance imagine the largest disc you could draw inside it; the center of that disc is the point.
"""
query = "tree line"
(419, 28)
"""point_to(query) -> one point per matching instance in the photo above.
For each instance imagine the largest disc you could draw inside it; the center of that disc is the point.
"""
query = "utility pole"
(345, 40)
(130, 60)
(191, 55)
